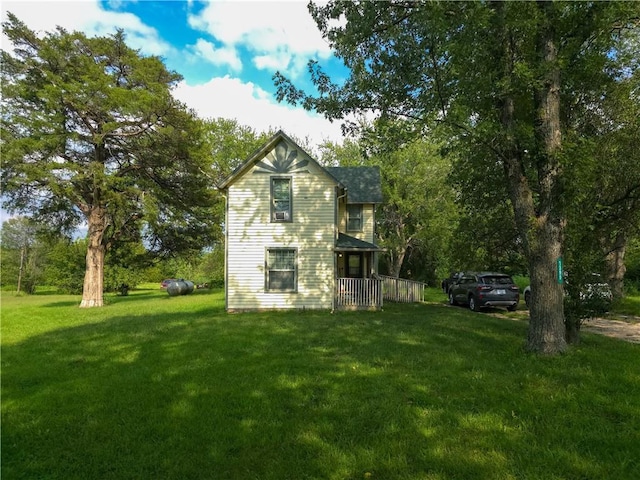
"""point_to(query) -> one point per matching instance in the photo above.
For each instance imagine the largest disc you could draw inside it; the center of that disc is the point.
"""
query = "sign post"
(559, 270)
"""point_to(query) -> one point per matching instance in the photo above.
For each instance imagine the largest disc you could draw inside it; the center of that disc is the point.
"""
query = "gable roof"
(362, 183)
(258, 155)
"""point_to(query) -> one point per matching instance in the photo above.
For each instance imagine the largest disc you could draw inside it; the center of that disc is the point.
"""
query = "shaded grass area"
(153, 386)
(629, 305)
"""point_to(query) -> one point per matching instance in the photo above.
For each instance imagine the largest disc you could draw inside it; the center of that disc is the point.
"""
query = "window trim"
(272, 200)
(360, 217)
(268, 270)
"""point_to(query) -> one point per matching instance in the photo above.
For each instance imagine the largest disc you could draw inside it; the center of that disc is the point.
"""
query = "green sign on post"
(560, 276)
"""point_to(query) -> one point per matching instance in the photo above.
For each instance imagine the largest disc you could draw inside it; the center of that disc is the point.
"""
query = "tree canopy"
(505, 79)
(91, 134)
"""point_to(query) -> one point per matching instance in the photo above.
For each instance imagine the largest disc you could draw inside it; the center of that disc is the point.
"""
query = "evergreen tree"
(92, 135)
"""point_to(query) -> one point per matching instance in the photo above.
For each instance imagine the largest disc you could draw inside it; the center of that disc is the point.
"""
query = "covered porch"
(358, 285)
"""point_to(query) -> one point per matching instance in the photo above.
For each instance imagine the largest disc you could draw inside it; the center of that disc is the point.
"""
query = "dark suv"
(486, 289)
(453, 278)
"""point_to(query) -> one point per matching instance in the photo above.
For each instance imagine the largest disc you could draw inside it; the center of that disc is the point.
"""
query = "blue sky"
(227, 51)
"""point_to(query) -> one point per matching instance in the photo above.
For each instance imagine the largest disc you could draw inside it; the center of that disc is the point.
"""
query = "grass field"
(159, 387)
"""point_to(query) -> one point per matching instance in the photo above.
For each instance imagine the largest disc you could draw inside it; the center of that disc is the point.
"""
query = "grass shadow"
(182, 390)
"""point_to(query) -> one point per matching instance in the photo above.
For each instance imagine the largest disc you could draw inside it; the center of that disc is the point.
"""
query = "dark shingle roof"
(347, 242)
(363, 183)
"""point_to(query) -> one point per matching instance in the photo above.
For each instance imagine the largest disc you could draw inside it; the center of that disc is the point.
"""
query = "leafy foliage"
(22, 254)
(505, 79)
(91, 133)
(127, 265)
(65, 266)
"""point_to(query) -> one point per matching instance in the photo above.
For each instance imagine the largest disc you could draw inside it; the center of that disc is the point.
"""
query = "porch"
(370, 293)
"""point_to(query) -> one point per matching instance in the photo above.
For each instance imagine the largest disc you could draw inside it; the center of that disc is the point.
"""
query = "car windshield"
(497, 280)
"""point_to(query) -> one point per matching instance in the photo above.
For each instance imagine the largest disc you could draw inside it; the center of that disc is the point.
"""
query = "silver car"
(597, 289)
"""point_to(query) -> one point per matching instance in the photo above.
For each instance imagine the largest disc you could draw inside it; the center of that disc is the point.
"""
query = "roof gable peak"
(279, 155)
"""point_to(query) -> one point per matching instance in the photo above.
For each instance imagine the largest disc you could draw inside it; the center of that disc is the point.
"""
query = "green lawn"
(159, 387)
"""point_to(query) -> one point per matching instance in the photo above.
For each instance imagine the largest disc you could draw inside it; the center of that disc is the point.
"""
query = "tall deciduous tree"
(21, 257)
(501, 75)
(230, 144)
(608, 181)
(91, 134)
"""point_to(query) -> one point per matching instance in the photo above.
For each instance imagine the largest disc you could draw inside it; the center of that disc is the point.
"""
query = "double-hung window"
(281, 199)
(354, 217)
(282, 270)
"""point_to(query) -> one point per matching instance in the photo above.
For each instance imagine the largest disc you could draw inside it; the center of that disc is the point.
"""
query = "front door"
(354, 265)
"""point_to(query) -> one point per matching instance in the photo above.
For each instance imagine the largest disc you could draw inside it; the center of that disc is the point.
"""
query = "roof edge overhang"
(347, 243)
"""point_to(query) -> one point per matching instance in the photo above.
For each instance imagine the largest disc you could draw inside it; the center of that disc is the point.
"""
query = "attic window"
(281, 199)
(354, 218)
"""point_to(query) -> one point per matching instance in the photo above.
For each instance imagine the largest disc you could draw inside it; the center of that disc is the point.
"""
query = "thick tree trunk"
(546, 325)
(539, 221)
(92, 291)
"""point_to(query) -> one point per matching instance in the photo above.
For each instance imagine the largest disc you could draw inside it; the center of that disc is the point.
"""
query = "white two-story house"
(299, 235)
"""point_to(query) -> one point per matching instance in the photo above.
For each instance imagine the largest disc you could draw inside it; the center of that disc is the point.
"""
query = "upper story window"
(354, 218)
(281, 199)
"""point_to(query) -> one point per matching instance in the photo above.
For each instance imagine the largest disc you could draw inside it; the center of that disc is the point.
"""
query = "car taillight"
(514, 287)
(483, 288)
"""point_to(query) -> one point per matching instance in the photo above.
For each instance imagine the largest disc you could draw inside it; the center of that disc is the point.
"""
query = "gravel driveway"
(628, 331)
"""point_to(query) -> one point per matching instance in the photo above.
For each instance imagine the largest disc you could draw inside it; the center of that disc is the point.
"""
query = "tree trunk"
(397, 261)
(615, 265)
(546, 310)
(572, 331)
(92, 291)
(546, 326)
(540, 226)
(22, 254)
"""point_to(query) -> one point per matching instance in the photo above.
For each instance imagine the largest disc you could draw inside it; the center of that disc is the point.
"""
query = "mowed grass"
(159, 387)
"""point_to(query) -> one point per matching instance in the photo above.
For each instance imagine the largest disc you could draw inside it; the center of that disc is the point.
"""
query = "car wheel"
(473, 305)
(452, 299)
(512, 308)
(527, 298)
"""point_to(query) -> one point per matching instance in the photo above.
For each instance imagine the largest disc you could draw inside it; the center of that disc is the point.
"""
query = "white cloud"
(225, 56)
(274, 31)
(277, 61)
(250, 105)
(85, 16)
(281, 35)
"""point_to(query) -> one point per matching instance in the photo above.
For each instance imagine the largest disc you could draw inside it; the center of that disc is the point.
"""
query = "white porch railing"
(401, 290)
(358, 293)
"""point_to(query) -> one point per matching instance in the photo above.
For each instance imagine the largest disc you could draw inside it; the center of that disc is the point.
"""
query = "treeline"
(32, 258)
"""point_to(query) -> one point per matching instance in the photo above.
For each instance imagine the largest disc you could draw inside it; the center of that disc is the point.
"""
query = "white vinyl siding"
(368, 222)
(250, 232)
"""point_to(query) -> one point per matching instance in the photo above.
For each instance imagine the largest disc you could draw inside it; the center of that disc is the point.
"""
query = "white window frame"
(279, 215)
